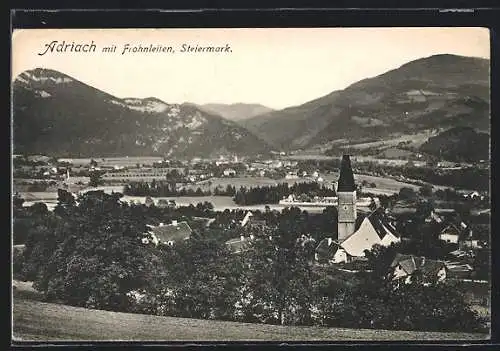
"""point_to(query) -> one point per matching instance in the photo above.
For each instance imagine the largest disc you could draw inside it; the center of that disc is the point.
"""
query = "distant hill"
(58, 115)
(459, 144)
(236, 112)
(440, 91)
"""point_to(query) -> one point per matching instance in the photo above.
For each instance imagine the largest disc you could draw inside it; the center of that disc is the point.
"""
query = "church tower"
(346, 192)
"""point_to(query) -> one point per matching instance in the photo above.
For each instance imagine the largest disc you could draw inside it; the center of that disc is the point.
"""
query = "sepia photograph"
(251, 184)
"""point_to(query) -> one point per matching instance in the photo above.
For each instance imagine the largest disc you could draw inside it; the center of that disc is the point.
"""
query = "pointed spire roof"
(346, 179)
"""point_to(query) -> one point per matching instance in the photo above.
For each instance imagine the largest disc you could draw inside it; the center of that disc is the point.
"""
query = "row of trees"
(272, 194)
(89, 253)
(169, 189)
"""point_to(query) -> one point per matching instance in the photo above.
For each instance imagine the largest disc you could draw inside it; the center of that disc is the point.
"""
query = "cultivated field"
(414, 140)
(113, 161)
(385, 186)
(38, 321)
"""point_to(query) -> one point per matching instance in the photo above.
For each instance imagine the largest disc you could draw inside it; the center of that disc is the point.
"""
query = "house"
(329, 251)
(459, 269)
(469, 242)
(374, 229)
(458, 232)
(451, 234)
(291, 175)
(304, 240)
(434, 218)
(169, 234)
(474, 195)
(163, 203)
(275, 164)
(249, 221)
(149, 201)
(229, 172)
(245, 219)
(205, 220)
(238, 245)
(406, 267)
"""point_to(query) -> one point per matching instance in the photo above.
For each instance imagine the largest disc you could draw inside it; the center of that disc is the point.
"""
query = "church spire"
(346, 179)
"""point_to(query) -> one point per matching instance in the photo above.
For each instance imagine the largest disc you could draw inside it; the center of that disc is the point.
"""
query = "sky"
(277, 67)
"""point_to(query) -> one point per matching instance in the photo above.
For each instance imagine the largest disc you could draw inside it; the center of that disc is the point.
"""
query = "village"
(377, 227)
(292, 189)
(359, 228)
(429, 239)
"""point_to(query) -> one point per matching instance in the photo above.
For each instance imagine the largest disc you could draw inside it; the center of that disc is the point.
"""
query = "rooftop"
(346, 178)
(172, 232)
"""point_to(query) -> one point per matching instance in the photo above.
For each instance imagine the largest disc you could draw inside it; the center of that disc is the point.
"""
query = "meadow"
(62, 322)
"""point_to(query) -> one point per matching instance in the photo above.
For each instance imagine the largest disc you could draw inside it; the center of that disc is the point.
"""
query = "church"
(351, 242)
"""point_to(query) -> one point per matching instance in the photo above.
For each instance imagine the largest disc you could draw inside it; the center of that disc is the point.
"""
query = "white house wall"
(340, 256)
(452, 238)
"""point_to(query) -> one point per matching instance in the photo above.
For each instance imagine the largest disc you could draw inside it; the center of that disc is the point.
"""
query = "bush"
(406, 193)
(17, 264)
(438, 307)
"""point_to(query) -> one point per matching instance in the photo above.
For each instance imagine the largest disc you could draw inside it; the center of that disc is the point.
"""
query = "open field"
(62, 322)
(38, 321)
(114, 161)
(354, 159)
(237, 182)
(386, 186)
(383, 185)
(415, 140)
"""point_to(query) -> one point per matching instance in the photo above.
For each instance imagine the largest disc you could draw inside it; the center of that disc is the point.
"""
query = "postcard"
(251, 184)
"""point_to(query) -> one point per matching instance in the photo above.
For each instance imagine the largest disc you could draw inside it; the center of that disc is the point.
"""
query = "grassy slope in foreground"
(37, 321)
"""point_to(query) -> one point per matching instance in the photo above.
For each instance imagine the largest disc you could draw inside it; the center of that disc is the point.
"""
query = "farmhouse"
(458, 232)
(407, 267)
(451, 234)
(229, 172)
(142, 173)
(169, 234)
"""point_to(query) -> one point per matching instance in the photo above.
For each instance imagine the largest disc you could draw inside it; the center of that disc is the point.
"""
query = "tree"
(373, 205)
(279, 279)
(482, 264)
(18, 201)
(426, 190)
(379, 260)
(423, 210)
(407, 193)
(203, 278)
(95, 179)
(92, 256)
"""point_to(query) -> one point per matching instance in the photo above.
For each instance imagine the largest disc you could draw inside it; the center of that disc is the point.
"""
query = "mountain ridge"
(58, 114)
(439, 90)
(236, 111)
